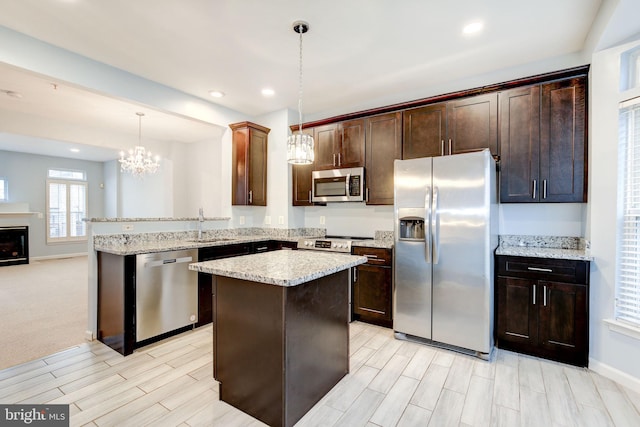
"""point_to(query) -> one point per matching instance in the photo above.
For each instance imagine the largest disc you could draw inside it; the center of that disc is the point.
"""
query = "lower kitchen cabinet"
(542, 307)
(373, 287)
(205, 286)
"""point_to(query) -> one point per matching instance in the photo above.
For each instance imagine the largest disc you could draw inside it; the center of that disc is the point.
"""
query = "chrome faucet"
(200, 221)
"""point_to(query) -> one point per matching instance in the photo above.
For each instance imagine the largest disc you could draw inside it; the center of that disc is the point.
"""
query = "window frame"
(627, 283)
(68, 183)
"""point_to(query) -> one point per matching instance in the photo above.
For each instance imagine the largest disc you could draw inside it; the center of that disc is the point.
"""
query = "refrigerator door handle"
(435, 226)
(427, 217)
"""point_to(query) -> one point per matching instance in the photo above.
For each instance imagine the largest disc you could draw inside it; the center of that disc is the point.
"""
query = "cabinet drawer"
(569, 271)
(376, 256)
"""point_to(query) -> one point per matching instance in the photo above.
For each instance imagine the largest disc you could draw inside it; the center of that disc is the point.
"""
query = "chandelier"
(139, 161)
(299, 145)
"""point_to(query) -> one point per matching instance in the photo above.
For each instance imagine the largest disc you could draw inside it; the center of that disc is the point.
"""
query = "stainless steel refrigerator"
(446, 231)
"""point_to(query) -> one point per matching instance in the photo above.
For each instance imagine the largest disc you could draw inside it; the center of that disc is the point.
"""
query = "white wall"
(611, 353)
(543, 219)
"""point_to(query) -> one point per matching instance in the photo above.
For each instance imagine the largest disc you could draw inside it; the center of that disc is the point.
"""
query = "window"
(4, 194)
(628, 260)
(66, 206)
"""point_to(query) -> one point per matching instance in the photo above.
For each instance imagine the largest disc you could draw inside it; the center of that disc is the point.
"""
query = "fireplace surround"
(14, 245)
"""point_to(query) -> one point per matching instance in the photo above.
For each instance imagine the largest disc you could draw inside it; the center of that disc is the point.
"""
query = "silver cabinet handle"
(534, 294)
(442, 148)
(309, 196)
(366, 197)
(535, 188)
(334, 159)
(450, 153)
(250, 197)
(355, 274)
(544, 188)
(339, 159)
(546, 270)
(544, 298)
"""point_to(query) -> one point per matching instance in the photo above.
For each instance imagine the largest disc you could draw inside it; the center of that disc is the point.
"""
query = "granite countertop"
(150, 246)
(281, 268)
(571, 248)
(375, 243)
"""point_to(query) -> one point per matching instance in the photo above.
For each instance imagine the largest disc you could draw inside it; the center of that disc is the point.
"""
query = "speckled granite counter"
(282, 268)
(573, 248)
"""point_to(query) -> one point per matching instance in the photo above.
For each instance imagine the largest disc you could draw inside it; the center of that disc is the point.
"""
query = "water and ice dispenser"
(411, 228)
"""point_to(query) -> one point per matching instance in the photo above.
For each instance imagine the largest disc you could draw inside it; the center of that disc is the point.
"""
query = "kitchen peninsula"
(280, 325)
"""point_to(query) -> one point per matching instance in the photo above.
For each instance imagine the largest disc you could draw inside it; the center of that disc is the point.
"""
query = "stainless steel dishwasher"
(166, 292)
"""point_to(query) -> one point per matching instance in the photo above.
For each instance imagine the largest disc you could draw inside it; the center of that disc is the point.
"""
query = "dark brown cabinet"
(383, 146)
(301, 180)
(249, 164)
(339, 145)
(542, 307)
(542, 143)
(372, 286)
(459, 126)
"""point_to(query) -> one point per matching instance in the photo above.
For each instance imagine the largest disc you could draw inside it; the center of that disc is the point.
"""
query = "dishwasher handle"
(162, 262)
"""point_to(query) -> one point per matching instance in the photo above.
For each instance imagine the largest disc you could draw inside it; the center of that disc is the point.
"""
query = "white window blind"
(3, 190)
(66, 209)
(628, 271)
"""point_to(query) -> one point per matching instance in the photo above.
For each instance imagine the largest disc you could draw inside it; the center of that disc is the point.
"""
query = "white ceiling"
(358, 54)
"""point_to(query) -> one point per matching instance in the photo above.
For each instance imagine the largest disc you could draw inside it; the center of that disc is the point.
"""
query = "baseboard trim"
(88, 335)
(59, 256)
(616, 375)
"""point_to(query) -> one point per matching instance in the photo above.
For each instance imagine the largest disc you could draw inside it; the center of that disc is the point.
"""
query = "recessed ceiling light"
(473, 28)
(268, 92)
(74, 150)
(216, 93)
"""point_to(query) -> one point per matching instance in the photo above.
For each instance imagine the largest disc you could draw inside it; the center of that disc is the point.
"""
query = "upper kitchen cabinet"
(339, 145)
(301, 181)
(458, 126)
(542, 143)
(249, 171)
(383, 146)
(424, 131)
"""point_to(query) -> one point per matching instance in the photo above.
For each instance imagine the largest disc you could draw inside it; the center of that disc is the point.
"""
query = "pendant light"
(139, 161)
(299, 145)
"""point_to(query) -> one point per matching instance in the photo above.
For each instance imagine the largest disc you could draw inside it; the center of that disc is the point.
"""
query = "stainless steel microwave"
(338, 185)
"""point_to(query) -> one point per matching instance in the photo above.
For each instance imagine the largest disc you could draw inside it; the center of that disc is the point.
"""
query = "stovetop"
(329, 243)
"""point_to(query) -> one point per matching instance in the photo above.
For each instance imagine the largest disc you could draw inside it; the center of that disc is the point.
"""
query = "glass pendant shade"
(300, 149)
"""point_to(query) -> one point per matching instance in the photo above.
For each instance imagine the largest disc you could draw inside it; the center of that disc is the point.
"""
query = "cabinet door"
(326, 146)
(519, 144)
(302, 185)
(424, 131)
(372, 292)
(383, 146)
(351, 137)
(563, 317)
(517, 319)
(472, 124)
(257, 173)
(562, 141)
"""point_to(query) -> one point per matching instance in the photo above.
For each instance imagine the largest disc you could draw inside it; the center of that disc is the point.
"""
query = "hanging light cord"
(300, 31)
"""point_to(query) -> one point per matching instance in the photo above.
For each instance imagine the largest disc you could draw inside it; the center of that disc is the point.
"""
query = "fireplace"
(14, 245)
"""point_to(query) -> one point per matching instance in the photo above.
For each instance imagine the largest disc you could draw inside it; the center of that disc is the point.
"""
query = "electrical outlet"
(280, 219)
(127, 227)
(241, 220)
(267, 220)
(322, 219)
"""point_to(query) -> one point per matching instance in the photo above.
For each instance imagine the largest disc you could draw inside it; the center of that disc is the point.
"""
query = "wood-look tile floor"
(391, 383)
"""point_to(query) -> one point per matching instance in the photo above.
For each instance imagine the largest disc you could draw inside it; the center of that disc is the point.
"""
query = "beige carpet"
(43, 308)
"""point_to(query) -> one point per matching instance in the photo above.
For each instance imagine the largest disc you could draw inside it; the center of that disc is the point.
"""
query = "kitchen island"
(281, 333)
